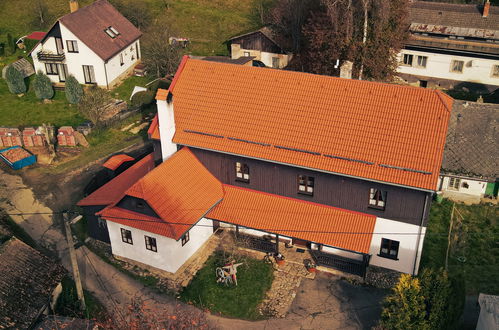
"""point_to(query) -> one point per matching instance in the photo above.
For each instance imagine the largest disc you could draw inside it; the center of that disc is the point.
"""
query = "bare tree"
(158, 55)
(137, 12)
(93, 105)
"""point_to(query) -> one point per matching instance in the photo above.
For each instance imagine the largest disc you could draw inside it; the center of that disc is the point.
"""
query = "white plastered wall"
(170, 255)
(265, 57)
(466, 186)
(166, 123)
(438, 66)
(409, 245)
(113, 66)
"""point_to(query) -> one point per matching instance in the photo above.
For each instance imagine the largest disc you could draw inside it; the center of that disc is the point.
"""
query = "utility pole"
(448, 237)
(74, 263)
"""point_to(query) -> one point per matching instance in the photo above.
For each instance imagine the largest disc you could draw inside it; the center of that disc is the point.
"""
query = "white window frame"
(454, 184)
(72, 46)
(377, 198)
(408, 56)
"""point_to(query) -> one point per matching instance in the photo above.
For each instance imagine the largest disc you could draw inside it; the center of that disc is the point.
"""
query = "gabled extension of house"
(342, 167)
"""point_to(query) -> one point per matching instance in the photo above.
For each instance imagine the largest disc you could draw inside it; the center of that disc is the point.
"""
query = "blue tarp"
(20, 163)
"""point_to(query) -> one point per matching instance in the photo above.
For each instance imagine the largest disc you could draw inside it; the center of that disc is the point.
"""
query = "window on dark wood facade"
(454, 183)
(72, 46)
(242, 172)
(51, 68)
(151, 243)
(457, 66)
(377, 198)
(139, 204)
(389, 248)
(185, 238)
(306, 185)
(126, 236)
(408, 59)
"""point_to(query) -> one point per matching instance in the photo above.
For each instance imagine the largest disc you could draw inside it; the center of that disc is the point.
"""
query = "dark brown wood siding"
(96, 229)
(402, 204)
(257, 41)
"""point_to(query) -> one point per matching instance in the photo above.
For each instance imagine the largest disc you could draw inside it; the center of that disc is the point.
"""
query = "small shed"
(10, 137)
(23, 66)
(32, 137)
(66, 137)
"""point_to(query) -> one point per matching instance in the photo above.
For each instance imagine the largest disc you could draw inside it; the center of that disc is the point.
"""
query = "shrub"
(405, 307)
(29, 44)
(11, 43)
(140, 99)
(15, 80)
(43, 86)
(73, 89)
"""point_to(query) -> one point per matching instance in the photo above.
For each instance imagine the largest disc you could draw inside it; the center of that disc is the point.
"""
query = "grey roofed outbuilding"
(27, 280)
(22, 65)
(471, 144)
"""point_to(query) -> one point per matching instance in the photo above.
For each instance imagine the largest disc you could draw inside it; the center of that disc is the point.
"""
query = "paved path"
(339, 306)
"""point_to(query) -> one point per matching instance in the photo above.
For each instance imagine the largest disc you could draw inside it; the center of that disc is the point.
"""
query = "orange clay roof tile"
(295, 218)
(153, 130)
(180, 190)
(115, 161)
(376, 131)
(114, 189)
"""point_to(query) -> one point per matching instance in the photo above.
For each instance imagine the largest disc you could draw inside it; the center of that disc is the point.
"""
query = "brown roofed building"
(95, 44)
(28, 280)
(452, 46)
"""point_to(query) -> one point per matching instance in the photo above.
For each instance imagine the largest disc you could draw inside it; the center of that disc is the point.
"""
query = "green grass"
(474, 252)
(254, 280)
(124, 91)
(67, 303)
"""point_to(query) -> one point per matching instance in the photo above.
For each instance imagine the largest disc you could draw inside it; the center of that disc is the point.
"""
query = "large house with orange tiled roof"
(343, 168)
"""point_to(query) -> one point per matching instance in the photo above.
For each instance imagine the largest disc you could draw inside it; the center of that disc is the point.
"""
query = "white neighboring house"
(452, 46)
(261, 45)
(470, 163)
(95, 44)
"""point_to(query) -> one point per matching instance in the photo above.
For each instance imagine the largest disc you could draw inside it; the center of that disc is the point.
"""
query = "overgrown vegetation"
(92, 105)
(73, 89)
(68, 304)
(43, 86)
(254, 279)
(473, 253)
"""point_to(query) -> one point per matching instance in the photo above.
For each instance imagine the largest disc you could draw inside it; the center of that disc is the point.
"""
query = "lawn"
(474, 251)
(254, 280)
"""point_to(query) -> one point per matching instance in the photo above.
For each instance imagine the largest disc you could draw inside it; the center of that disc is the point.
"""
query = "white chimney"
(346, 70)
(166, 123)
(73, 5)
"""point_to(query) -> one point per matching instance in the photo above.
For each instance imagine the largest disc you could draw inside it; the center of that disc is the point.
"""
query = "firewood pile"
(14, 155)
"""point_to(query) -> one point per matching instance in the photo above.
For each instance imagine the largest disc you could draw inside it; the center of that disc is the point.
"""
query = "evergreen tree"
(15, 80)
(74, 91)
(405, 307)
(43, 86)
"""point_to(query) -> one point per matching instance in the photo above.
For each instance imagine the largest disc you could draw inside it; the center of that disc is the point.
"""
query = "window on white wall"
(408, 59)
(495, 71)
(421, 61)
(185, 238)
(246, 54)
(389, 249)
(151, 243)
(126, 236)
(454, 183)
(72, 46)
(457, 66)
(51, 69)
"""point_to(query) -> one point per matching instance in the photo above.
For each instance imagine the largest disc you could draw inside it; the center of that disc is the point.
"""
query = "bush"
(140, 99)
(405, 307)
(29, 44)
(15, 80)
(73, 89)
(11, 43)
(43, 86)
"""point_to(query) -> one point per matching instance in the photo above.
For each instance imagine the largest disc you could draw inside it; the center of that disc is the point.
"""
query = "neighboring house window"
(246, 54)
(72, 46)
(408, 59)
(377, 198)
(242, 172)
(151, 243)
(275, 62)
(389, 248)
(121, 59)
(421, 61)
(454, 183)
(495, 70)
(88, 73)
(51, 68)
(126, 236)
(457, 66)
(185, 238)
(305, 184)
